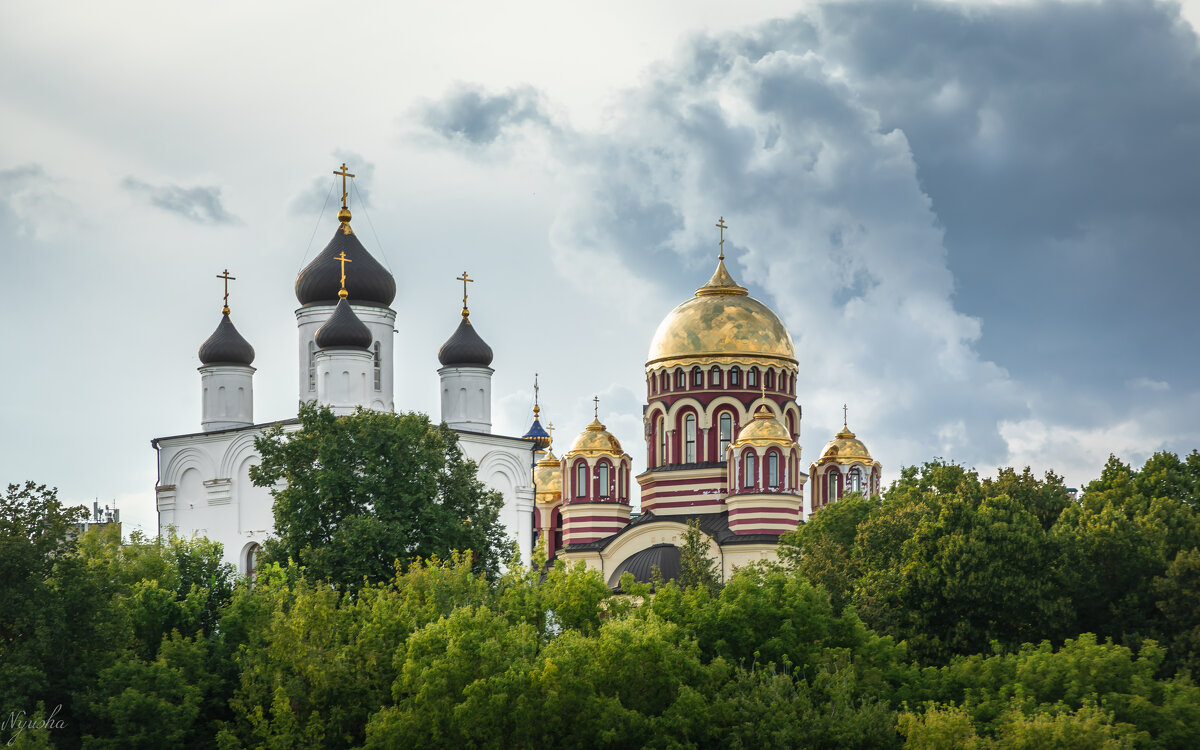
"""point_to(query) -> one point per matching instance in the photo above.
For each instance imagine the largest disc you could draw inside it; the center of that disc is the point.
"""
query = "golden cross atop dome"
(344, 174)
(467, 280)
(225, 275)
(550, 429)
(536, 409)
(596, 406)
(343, 294)
(722, 226)
(844, 409)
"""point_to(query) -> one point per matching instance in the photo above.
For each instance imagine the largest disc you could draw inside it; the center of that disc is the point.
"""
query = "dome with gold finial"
(320, 281)
(595, 440)
(764, 429)
(846, 448)
(547, 478)
(722, 320)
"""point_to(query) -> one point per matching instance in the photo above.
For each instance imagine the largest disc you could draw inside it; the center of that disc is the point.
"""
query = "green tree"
(696, 567)
(355, 494)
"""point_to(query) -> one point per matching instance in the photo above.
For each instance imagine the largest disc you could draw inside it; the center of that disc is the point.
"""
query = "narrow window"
(752, 378)
(662, 381)
(603, 475)
(581, 479)
(689, 439)
(855, 480)
(748, 481)
(378, 368)
(662, 442)
(679, 379)
(773, 470)
(726, 434)
(697, 377)
(252, 561)
(714, 377)
(312, 365)
(735, 375)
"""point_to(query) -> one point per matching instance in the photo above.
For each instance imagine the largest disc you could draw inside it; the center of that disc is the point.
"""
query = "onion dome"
(343, 330)
(764, 429)
(596, 440)
(665, 557)
(846, 448)
(722, 320)
(465, 348)
(320, 281)
(547, 478)
(226, 346)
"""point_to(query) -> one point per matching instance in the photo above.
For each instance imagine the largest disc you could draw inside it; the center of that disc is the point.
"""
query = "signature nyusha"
(17, 722)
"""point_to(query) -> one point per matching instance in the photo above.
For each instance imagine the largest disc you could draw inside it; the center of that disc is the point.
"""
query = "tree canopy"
(355, 494)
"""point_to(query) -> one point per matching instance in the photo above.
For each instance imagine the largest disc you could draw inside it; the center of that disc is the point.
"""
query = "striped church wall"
(587, 522)
(764, 513)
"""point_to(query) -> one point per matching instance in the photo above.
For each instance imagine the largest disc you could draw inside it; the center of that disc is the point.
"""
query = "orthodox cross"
(344, 174)
(721, 224)
(341, 257)
(465, 280)
(536, 409)
(550, 429)
(596, 407)
(225, 275)
(844, 417)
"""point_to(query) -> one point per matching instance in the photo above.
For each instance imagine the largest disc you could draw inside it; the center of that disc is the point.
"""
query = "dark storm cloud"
(923, 191)
(327, 190)
(199, 204)
(474, 116)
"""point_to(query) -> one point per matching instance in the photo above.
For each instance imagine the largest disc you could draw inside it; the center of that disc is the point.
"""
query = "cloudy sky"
(978, 220)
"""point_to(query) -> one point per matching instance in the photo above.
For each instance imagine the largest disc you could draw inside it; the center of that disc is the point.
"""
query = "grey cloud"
(923, 192)
(327, 190)
(199, 204)
(471, 115)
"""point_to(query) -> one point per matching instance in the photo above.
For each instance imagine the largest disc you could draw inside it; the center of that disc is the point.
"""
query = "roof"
(368, 281)
(343, 330)
(226, 346)
(465, 348)
(665, 557)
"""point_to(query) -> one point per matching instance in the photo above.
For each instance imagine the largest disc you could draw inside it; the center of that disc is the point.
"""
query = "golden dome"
(846, 448)
(595, 440)
(763, 429)
(721, 320)
(547, 478)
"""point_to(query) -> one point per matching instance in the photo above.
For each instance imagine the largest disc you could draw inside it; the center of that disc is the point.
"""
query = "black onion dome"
(367, 280)
(665, 557)
(465, 348)
(226, 346)
(343, 330)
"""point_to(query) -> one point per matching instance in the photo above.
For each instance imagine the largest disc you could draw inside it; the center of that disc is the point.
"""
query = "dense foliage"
(354, 494)
(905, 622)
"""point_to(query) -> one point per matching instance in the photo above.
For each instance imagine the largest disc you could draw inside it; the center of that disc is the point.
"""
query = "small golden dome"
(846, 448)
(763, 429)
(548, 478)
(721, 320)
(595, 440)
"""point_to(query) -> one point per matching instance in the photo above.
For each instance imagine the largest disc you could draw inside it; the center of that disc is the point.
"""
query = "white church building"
(345, 351)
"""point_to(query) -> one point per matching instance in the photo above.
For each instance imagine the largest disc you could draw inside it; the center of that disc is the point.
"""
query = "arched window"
(312, 365)
(725, 434)
(581, 479)
(602, 474)
(662, 381)
(378, 367)
(679, 380)
(697, 377)
(770, 378)
(773, 470)
(735, 375)
(834, 486)
(752, 378)
(252, 560)
(750, 469)
(689, 439)
(855, 480)
(662, 442)
(714, 377)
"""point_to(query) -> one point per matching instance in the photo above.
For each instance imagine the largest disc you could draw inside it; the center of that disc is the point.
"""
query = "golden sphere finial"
(343, 294)
(344, 215)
